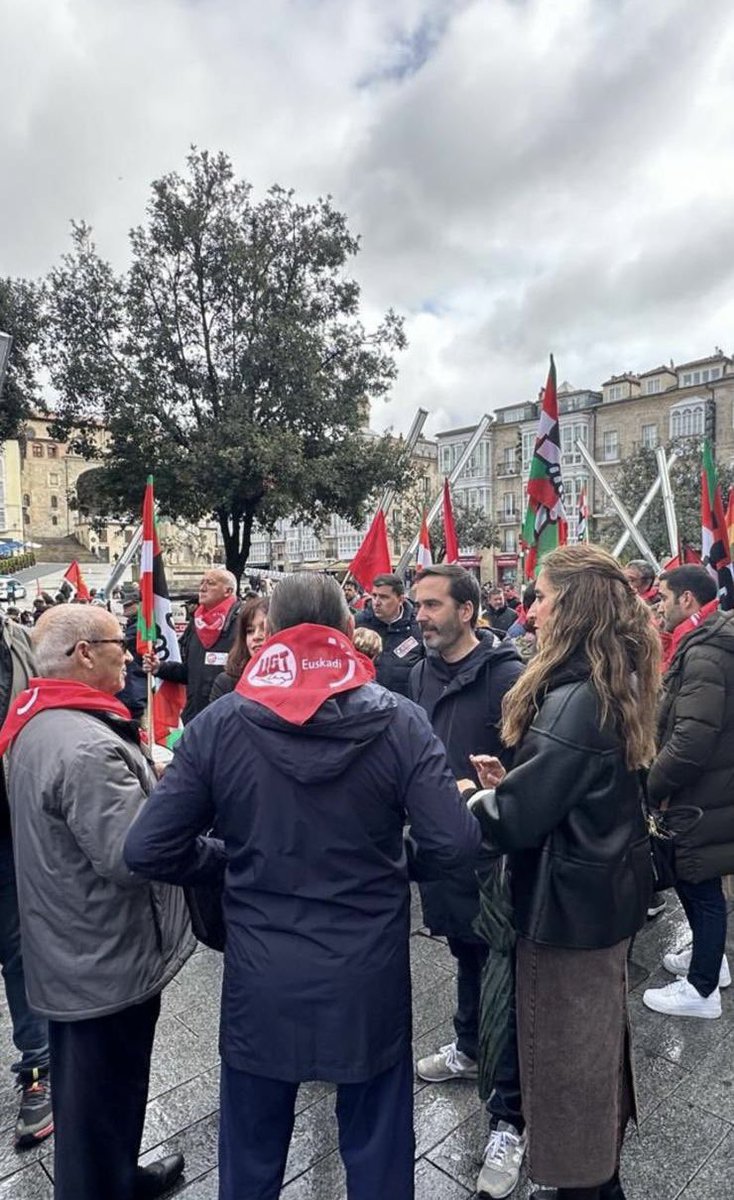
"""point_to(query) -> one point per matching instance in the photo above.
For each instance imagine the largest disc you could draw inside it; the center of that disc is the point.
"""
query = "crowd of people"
(336, 748)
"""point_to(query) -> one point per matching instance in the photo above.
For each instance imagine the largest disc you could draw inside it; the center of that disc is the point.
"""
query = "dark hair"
(306, 599)
(644, 569)
(463, 587)
(528, 596)
(239, 655)
(692, 579)
(391, 581)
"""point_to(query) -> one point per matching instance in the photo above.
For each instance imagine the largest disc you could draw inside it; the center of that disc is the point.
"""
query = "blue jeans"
(705, 908)
(30, 1033)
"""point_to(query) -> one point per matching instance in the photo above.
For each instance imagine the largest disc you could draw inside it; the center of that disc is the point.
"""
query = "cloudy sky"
(526, 175)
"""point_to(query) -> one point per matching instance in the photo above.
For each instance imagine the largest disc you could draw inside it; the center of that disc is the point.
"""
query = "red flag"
(373, 556)
(690, 556)
(75, 581)
(423, 557)
(449, 528)
(730, 523)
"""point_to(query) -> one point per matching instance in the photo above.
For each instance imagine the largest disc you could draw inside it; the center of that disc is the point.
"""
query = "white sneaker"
(680, 999)
(503, 1157)
(680, 964)
(447, 1063)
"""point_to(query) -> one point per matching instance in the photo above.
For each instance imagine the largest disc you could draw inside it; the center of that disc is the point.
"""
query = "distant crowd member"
(499, 614)
(461, 683)
(205, 643)
(368, 642)
(316, 897)
(512, 599)
(99, 945)
(391, 614)
(569, 815)
(134, 695)
(641, 576)
(352, 596)
(695, 766)
(249, 637)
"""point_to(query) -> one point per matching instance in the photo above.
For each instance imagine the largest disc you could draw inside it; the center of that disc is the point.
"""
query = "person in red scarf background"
(205, 643)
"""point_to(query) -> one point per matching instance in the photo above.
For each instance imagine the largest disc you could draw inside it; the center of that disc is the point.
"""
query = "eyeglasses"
(121, 642)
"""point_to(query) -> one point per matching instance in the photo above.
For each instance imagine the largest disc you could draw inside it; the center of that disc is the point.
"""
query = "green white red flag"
(155, 627)
(545, 525)
(714, 535)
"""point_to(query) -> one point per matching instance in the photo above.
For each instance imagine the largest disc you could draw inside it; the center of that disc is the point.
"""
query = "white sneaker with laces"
(680, 999)
(680, 964)
(503, 1157)
(447, 1063)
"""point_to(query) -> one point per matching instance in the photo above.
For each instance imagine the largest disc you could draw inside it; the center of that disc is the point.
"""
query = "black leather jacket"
(569, 815)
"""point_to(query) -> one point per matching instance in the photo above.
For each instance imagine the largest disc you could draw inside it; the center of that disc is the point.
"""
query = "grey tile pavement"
(684, 1146)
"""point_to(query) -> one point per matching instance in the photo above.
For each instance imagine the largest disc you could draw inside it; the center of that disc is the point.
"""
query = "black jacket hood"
(489, 648)
(330, 741)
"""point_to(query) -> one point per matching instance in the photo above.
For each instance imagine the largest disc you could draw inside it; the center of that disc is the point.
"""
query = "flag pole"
(150, 720)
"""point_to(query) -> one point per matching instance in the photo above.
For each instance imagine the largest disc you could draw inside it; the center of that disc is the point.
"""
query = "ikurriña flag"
(545, 525)
(423, 554)
(449, 526)
(714, 535)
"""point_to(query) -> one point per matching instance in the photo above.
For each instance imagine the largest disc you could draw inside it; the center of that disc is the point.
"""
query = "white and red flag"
(74, 586)
(449, 527)
(423, 555)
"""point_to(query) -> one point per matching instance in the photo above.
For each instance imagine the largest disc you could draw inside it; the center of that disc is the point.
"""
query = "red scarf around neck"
(297, 670)
(42, 694)
(209, 622)
(686, 627)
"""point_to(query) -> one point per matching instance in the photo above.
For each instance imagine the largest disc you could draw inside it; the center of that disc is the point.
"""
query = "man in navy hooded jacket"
(310, 771)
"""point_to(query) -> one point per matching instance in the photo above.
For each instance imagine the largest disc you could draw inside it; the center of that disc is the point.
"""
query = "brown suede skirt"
(575, 1063)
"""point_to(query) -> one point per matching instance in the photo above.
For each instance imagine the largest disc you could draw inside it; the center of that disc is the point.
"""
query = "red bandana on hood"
(685, 627)
(42, 694)
(209, 622)
(298, 669)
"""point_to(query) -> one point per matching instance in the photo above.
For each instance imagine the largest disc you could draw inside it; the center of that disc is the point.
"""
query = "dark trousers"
(100, 1071)
(30, 1033)
(705, 908)
(505, 1103)
(376, 1138)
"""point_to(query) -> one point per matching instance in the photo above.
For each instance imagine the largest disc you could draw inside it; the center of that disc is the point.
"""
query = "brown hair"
(239, 656)
(596, 612)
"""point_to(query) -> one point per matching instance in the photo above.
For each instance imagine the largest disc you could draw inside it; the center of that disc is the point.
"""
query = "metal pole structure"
(619, 508)
(411, 442)
(122, 563)
(474, 441)
(668, 503)
(644, 505)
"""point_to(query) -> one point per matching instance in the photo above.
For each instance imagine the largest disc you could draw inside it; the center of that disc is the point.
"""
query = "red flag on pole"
(423, 555)
(75, 585)
(449, 528)
(373, 556)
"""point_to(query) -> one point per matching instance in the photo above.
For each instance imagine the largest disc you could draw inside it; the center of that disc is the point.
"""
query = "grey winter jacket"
(96, 938)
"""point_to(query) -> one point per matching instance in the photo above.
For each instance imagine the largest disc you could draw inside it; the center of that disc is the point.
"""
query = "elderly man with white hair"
(205, 643)
(99, 943)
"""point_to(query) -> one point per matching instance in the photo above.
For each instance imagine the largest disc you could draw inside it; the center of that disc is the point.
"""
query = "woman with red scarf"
(205, 643)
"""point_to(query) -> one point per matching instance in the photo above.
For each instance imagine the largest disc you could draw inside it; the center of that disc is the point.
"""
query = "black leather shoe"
(154, 1180)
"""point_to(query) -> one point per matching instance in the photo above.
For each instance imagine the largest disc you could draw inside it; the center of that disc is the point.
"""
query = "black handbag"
(663, 827)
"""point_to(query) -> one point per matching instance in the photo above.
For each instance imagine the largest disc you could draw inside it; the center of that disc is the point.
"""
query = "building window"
(53, 479)
(26, 500)
(37, 450)
(687, 421)
(52, 450)
(508, 504)
(54, 520)
(570, 435)
(653, 386)
(509, 541)
(705, 375)
(649, 436)
(610, 446)
(54, 502)
(615, 392)
(528, 445)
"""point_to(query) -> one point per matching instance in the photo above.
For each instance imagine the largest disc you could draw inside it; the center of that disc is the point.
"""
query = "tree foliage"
(474, 529)
(20, 316)
(632, 481)
(229, 360)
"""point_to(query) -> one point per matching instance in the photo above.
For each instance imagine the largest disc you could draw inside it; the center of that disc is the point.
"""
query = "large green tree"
(20, 317)
(632, 481)
(229, 360)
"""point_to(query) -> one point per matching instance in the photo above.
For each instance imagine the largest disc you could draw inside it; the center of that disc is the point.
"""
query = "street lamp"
(5, 343)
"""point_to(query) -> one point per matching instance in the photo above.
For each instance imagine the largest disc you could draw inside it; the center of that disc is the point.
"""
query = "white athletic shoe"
(503, 1157)
(680, 964)
(447, 1063)
(680, 999)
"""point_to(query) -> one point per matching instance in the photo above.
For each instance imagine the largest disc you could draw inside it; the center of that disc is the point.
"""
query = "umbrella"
(494, 925)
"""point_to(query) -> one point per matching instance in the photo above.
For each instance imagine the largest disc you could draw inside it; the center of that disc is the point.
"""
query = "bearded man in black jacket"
(461, 684)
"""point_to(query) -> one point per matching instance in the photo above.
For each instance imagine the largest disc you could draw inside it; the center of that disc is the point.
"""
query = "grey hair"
(60, 628)
(306, 599)
(228, 577)
(643, 568)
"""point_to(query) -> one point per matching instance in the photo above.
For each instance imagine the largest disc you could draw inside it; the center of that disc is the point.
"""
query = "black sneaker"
(35, 1119)
(658, 905)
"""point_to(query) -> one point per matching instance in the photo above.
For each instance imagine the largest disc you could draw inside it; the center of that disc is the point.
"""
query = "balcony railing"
(508, 516)
(504, 470)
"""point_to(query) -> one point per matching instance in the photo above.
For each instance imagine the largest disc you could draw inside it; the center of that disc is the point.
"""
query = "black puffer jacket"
(569, 814)
(695, 764)
(199, 667)
(402, 646)
(465, 710)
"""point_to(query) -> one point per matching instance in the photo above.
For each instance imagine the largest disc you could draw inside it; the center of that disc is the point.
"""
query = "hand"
(490, 771)
(151, 663)
(466, 785)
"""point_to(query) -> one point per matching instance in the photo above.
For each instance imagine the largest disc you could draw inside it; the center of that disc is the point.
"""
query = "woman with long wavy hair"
(569, 815)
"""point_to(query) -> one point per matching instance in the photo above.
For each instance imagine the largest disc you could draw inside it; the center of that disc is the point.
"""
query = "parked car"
(11, 589)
